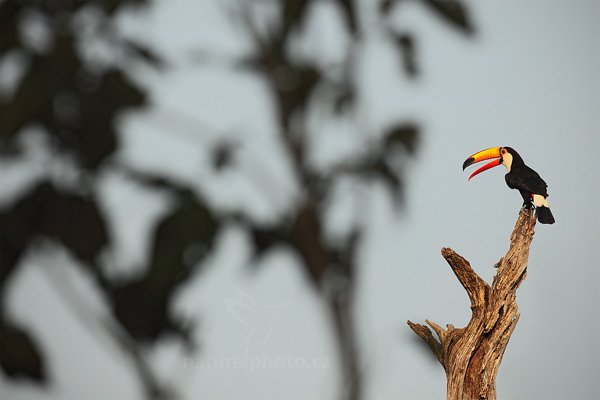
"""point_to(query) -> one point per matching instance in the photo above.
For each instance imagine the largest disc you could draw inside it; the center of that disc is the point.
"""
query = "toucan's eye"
(503, 151)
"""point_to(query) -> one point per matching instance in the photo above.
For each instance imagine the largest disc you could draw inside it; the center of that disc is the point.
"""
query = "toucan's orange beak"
(487, 154)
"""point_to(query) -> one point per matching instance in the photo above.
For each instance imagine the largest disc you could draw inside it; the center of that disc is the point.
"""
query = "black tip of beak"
(468, 162)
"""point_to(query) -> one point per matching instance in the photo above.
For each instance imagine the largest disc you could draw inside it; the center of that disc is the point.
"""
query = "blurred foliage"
(297, 85)
(77, 100)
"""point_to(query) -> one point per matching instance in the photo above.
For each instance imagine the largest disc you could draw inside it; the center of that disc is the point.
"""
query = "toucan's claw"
(528, 205)
(530, 212)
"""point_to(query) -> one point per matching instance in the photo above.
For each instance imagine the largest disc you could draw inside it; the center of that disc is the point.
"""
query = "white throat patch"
(507, 160)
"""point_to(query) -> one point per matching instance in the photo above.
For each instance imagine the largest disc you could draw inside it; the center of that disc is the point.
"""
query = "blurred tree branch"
(294, 84)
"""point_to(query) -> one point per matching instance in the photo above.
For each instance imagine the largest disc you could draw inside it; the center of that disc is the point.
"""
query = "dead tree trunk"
(471, 355)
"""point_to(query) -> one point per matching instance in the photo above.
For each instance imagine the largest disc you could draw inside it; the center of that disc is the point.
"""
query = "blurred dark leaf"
(76, 106)
(349, 248)
(293, 85)
(95, 136)
(181, 241)
(142, 311)
(48, 77)
(145, 53)
(18, 225)
(112, 6)
(14, 239)
(453, 12)
(223, 155)
(264, 239)
(77, 223)
(349, 10)
(291, 82)
(194, 226)
(20, 357)
(72, 220)
(293, 13)
(390, 178)
(402, 134)
(386, 6)
(30, 103)
(10, 12)
(406, 45)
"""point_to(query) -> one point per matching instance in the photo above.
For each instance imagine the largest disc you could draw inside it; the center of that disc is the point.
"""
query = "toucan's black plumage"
(532, 187)
(524, 179)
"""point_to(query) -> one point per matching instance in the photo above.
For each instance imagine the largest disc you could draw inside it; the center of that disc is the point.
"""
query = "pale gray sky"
(529, 79)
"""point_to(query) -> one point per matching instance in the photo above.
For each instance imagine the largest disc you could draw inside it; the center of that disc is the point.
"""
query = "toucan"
(533, 189)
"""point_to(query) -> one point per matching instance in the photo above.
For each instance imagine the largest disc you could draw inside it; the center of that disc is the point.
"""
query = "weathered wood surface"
(471, 355)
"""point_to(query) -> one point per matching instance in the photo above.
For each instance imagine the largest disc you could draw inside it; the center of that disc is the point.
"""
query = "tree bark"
(471, 355)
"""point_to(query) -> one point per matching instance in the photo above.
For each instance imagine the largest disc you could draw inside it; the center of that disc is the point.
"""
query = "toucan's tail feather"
(545, 215)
